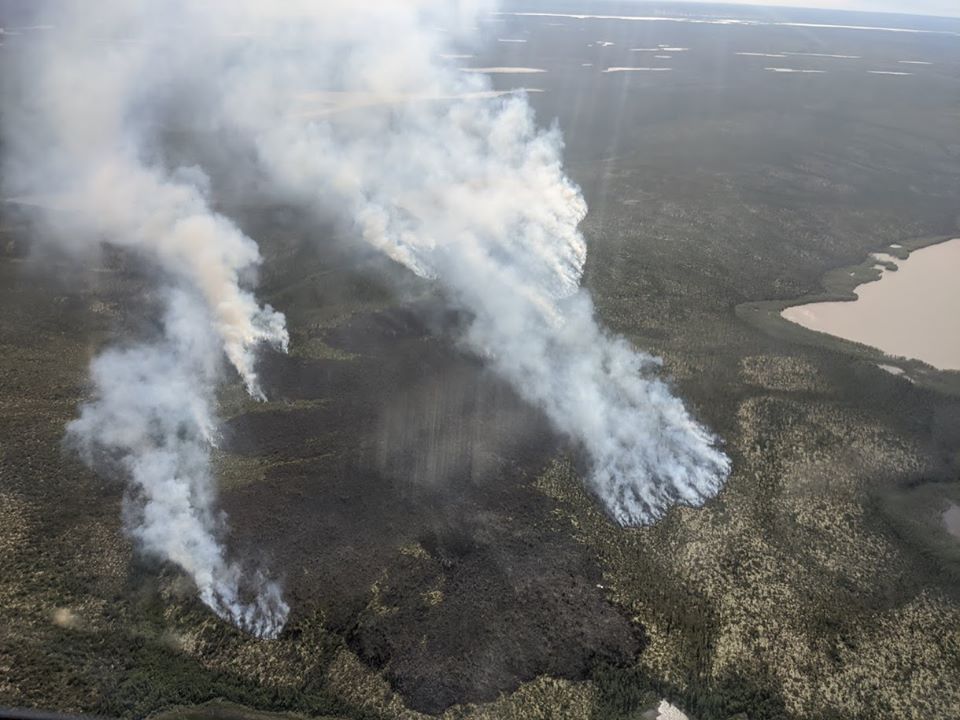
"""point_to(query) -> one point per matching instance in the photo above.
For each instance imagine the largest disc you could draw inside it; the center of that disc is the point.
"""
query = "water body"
(503, 70)
(328, 102)
(637, 69)
(795, 70)
(911, 312)
(733, 21)
(822, 55)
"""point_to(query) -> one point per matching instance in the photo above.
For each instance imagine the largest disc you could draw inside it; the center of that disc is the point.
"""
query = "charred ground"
(433, 534)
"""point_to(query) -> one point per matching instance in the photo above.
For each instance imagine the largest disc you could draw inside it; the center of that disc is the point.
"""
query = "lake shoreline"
(839, 285)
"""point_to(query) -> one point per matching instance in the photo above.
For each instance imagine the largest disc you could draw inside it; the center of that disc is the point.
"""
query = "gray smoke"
(78, 152)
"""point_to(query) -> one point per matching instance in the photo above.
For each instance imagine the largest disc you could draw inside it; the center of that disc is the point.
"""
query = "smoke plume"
(460, 185)
(78, 146)
(347, 106)
(151, 416)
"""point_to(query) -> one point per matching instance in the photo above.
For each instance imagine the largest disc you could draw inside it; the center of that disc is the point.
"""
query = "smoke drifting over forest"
(348, 108)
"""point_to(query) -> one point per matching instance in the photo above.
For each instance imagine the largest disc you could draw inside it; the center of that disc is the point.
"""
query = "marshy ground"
(434, 537)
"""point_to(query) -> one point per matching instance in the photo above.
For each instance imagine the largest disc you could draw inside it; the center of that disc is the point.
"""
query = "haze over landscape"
(942, 8)
(451, 358)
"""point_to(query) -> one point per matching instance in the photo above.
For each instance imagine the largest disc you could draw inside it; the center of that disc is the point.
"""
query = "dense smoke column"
(351, 108)
(497, 226)
(460, 185)
(151, 418)
(647, 452)
(79, 144)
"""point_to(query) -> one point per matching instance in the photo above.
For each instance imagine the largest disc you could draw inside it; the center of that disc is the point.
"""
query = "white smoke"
(151, 415)
(78, 142)
(462, 186)
(349, 106)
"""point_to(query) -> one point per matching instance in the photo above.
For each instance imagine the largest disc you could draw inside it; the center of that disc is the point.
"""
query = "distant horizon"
(919, 8)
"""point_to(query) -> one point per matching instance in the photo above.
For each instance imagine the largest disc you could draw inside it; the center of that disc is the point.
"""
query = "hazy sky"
(947, 8)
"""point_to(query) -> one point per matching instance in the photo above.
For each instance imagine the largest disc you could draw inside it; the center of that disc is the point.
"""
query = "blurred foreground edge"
(23, 714)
